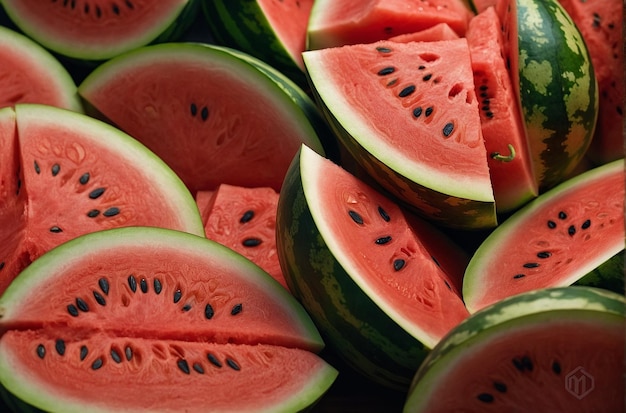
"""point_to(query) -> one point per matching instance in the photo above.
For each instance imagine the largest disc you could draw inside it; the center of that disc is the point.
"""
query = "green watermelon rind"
(171, 29)
(242, 25)
(59, 258)
(44, 60)
(161, 175)
(556, 86)
(514, 226)
(462, 206)
(352, 323)
(531, 308)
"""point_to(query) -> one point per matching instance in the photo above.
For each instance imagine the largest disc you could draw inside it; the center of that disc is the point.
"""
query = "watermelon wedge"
(408, 114)
(173, 322)
(212, 115)
(554, 240)
(550, 350)
(64, 174)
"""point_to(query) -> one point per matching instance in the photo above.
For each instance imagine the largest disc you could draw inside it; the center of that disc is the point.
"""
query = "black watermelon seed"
(55, 229)
(104, 285)
(98, 12)
(556, 367)
(562, 215)
(198, 368)
(421, 67)
(116, 356)
(571, 230)
(84, 178)
(128, 352)
(551, 224)
(96, 193)
(427, 77)
(528, 364)
(214, 360)
(132, 283)
(383, 214)
(382, 49)
(93, 213)
(82, 305)
(143, 285)
(237, 308)
(531, 265)
(544, 254)
(398, 264)
(428, 111)
(356, 217)
(517, 362)
(97, 363)
(2, 264)
(383, 240)
(586, 224)
(232, 364)
(83, 352)
(194, 109)
(485, 397)
(56, 168)
(41, 351)
(406, 91)
(59, 345)
(484, 95)
(247, 216)
(251, 242)
(489, 114)
(483, 87)
(111, 212)
(417, 112)
(37, 169)
(86, 9)
(386, 71)
(392, 82)
(72, 310)
(186, 307)
(183, 366)
(499, 386)
(115, 9)
(157, 286)
(204, 113)
(209, 312)
(447, 129)
(518, 276)
(177, 296)
(436, 262)
(99, 298)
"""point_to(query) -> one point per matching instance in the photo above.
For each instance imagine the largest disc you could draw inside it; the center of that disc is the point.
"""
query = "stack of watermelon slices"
(388, 148)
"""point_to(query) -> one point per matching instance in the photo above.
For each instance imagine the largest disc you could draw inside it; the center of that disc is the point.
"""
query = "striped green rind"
(242, 24)
(532, 308)
(352, 325)
(557, 87)
(609, 275)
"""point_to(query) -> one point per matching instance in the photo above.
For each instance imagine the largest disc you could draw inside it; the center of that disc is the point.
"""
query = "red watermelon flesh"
(212, 116)
(289, 20)
(244, 219)
(511, 172)
(342, 22)
(601, 25)
(65, 174)
(439, 31)
(30, 74)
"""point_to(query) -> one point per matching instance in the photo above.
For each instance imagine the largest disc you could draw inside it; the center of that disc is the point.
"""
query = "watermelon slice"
(551, 350)
(273, 31)
(64, 174)
(408, 114)
(100, 29)
(336, 23)
(172, 322)
(213, 116)
(381, 284)
(501, 121)
(554, 240)
(244, 219)
(30, 74)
